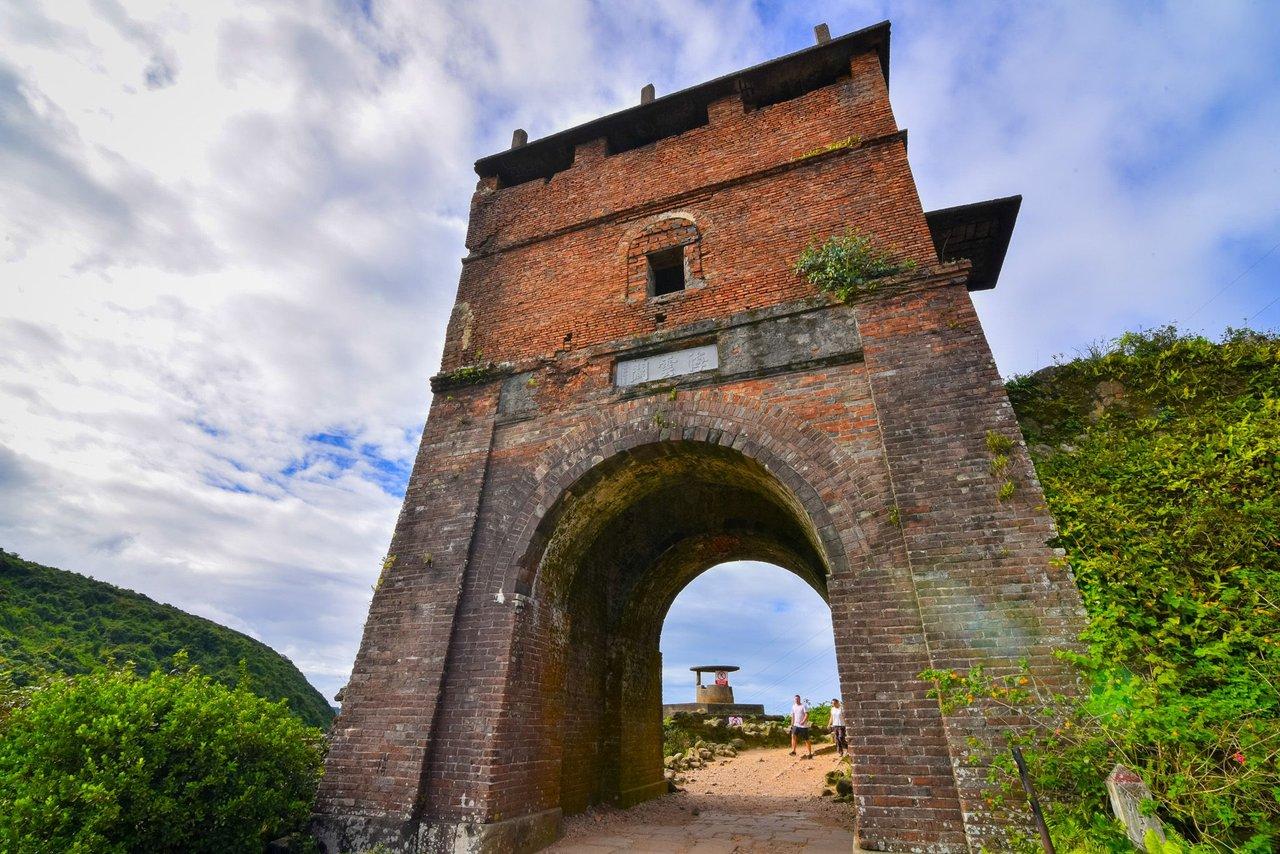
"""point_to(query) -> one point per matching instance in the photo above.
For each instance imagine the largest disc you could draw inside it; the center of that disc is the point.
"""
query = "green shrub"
(114, 762)
(684, 729)
(847, 265)
(1160, 460)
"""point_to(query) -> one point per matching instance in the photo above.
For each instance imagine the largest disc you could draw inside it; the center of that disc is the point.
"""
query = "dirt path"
(762, 800)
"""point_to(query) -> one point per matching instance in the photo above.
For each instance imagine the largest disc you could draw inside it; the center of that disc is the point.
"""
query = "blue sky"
(230, 237)
(761, 618)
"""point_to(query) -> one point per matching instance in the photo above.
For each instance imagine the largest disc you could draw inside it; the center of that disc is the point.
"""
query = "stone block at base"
(517, 835)
(631, 797)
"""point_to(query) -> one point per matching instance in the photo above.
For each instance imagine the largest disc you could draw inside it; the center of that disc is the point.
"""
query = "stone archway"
(611, 555)
(636, 501)
(851, 441)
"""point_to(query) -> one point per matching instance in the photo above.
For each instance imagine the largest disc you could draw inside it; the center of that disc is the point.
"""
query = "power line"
(1265, 307)
(1246, 272)
(822, 631)
(782, 679)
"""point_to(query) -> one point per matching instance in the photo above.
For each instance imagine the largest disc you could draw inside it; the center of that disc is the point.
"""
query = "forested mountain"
(54, 620)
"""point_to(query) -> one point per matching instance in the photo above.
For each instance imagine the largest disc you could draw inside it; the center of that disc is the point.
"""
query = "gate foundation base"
(354, 834)
(649, 791)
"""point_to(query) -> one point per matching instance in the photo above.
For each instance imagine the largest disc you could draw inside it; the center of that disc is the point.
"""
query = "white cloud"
(229, 228)
(226, 229)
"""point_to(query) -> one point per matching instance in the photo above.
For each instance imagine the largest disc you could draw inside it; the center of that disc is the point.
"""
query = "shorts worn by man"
(800, 727)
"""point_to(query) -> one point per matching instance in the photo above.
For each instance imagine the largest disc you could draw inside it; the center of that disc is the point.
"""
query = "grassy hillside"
(53, 620)
(1160, 460)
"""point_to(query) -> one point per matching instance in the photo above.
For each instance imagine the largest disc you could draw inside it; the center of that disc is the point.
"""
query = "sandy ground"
(761, 800)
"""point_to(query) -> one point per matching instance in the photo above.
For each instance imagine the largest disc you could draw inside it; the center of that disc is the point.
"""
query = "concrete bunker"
(716, 697)
(606, 563)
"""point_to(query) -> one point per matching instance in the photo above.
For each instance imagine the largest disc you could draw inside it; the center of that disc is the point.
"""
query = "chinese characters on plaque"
(664, 365)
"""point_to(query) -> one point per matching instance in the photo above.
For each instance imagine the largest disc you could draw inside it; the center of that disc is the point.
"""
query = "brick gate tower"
(636, 387)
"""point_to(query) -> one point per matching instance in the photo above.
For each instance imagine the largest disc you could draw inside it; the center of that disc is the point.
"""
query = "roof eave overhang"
(979, 232)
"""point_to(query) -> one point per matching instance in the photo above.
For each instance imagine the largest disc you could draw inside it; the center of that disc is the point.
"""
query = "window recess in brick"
(666, 271)
(664, 259)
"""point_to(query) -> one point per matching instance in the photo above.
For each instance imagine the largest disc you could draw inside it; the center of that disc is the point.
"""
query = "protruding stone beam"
(822, 33)
(519, 138)
(647, 94)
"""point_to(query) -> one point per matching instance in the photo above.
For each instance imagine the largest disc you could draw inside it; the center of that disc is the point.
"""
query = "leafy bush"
(847, 265)
(1160, 460)
(115, 762)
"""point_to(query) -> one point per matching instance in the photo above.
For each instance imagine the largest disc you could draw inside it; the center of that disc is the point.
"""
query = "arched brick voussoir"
(817, 473)
(657, 222)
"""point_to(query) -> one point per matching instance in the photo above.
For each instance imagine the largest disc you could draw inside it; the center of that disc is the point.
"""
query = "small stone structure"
(1127, 792)
(715, 698)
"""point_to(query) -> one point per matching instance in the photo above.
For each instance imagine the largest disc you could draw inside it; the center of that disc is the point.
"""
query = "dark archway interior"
(610, 558)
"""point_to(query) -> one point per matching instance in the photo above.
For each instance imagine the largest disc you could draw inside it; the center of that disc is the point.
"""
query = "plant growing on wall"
(470, 374)
(1159, 460)
(847, 265)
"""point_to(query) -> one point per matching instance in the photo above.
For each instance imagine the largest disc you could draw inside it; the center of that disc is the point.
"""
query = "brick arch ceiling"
(657, 453)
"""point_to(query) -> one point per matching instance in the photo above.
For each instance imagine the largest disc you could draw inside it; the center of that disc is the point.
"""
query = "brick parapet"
(744, 143)
(538, 283)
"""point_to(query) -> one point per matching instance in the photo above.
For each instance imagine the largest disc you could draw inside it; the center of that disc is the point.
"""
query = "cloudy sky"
(230, 236)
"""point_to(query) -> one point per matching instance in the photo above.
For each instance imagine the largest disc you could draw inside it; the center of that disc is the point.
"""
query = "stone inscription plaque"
(664, 365)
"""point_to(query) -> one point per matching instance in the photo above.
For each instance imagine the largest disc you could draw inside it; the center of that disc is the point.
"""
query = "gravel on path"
(761, 800)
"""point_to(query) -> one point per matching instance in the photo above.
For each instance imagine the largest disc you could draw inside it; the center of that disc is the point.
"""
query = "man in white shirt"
(800, 727)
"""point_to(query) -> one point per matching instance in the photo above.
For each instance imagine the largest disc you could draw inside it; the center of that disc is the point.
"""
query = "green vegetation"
(820, 718)
(684, 730)
(839, 780)
(475, 374)
(115, 762)
(1160, 460)
(846, 265)
(690, 740)
(57, 621)
(837, 145)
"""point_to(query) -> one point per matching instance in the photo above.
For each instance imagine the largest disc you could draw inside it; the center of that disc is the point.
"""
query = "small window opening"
(666, 271)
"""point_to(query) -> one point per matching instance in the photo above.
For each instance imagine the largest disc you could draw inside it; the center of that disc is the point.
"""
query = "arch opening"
(760, 618)
(604, 567)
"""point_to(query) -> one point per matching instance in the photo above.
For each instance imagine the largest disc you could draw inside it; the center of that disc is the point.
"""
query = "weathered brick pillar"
(989, 588)
(381, 741)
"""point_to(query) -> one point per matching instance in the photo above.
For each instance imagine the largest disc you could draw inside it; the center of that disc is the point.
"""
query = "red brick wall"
(510, 668)
(745, 181)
